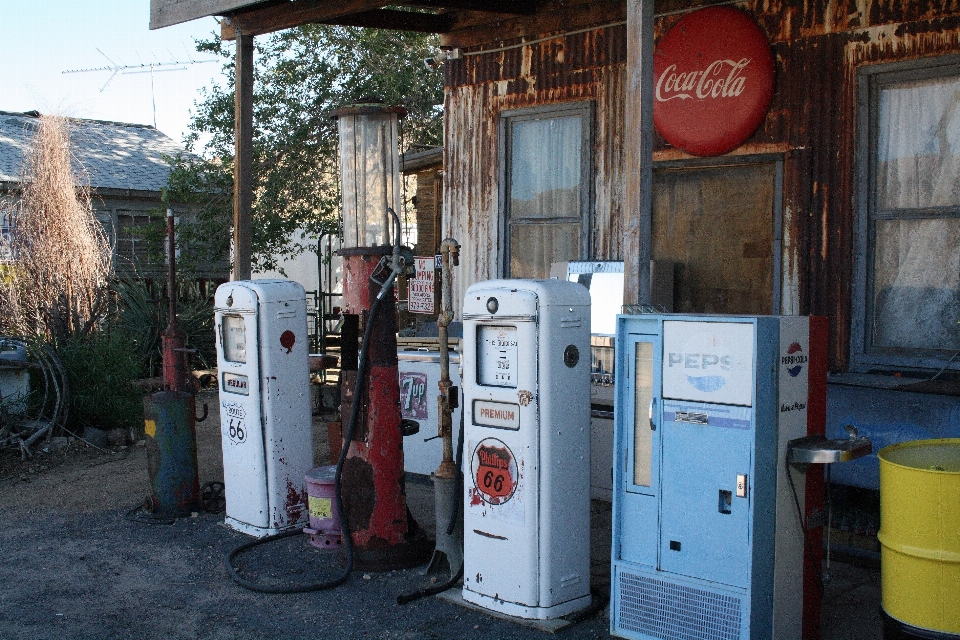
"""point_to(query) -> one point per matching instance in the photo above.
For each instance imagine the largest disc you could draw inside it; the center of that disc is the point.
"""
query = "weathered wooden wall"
(818, 44)
(588, 66)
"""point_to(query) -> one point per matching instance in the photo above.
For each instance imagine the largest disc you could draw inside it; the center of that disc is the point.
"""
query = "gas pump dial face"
(497, 356)
(234, 339)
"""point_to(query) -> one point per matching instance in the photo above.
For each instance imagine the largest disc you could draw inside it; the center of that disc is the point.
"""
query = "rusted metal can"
(170, 425)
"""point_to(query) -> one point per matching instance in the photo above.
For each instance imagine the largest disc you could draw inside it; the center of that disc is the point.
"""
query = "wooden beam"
(164, 13)
(398, 20)
(472, 29)
(243, 160)
(274, 17)
(509, 7)
(638, 146)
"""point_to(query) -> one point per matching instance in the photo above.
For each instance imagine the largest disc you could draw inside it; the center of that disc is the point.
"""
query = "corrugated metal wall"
(818, 47)
(588, 66)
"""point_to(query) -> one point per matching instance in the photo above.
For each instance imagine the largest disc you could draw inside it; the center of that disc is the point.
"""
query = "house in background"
(124, 165)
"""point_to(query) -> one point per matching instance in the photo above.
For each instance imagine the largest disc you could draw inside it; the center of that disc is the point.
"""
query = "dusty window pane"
(533, 247)
(918, 144)
(916, 292)
(132, 247)
(545, 168)
(716, 225)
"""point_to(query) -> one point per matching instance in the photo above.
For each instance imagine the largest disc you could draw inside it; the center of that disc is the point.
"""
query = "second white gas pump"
(264, 403)
(526, 386)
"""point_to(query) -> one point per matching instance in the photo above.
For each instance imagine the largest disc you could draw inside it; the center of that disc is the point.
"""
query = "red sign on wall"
(713, 75)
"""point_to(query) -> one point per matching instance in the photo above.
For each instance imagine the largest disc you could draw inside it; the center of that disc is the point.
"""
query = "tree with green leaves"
(301, 75)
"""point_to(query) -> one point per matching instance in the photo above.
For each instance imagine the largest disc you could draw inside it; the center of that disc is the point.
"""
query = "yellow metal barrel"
(920, 533)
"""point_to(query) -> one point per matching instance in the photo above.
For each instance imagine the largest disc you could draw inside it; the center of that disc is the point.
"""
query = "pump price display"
(234, 339)
(497, 356)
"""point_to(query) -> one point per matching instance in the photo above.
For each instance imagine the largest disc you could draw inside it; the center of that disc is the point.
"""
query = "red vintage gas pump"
(385, 535)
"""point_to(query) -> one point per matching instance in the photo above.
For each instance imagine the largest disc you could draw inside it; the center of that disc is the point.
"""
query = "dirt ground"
(73, 566)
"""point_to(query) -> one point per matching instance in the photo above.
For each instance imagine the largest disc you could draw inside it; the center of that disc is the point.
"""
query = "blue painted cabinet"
(707, 542)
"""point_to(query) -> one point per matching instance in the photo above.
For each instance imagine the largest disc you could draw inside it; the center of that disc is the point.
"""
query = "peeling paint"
(819, 46)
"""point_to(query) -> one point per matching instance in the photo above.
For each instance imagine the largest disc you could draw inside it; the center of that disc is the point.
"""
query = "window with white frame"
(907, 308)
(546, 160)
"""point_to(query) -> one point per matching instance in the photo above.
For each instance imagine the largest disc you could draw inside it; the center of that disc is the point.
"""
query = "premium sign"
(496, 414)
(235, 383)
(420, 288)
(713, 76)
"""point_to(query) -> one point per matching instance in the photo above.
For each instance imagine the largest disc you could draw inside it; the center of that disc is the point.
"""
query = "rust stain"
(293, 505)
(819, 48)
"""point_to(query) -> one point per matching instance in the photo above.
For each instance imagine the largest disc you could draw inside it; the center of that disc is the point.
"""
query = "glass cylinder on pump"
(369, 172)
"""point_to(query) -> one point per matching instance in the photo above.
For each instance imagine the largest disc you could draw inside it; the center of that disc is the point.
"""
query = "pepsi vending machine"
(708, 537)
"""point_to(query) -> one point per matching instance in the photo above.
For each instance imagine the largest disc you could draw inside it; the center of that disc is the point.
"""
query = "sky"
(41, 39)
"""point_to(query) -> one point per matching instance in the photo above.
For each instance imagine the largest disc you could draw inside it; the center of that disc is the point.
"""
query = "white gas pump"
(526, 386)
(264, 403)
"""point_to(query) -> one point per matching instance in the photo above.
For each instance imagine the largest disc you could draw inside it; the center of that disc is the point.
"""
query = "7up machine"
(526, 385)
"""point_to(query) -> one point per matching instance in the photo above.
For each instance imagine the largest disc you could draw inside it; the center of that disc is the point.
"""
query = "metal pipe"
(449, 250)
(171, 269)
(175, 375)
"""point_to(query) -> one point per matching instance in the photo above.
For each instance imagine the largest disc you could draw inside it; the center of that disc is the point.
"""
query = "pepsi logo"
(794, 360)
(698, 367)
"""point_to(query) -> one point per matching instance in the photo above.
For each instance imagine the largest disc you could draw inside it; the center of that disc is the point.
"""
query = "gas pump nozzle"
(400, 260)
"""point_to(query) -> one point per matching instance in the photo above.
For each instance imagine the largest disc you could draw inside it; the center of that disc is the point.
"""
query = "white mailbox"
(526, 384)
(264, 403)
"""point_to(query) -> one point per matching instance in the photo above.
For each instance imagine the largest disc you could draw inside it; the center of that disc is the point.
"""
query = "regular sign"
(713, 75)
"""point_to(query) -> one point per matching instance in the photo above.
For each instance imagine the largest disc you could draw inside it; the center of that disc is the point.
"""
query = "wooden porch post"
(242, 175)
(638, 138)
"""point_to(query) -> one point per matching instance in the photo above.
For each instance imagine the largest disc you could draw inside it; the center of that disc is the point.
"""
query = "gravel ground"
(73, 566)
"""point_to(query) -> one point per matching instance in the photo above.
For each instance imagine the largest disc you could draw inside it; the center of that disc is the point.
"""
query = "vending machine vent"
(666, 610)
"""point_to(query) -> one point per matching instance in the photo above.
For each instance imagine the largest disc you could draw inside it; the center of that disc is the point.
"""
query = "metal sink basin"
(821, 450)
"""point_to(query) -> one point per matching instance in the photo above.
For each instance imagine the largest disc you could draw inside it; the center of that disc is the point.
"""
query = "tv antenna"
(144, 67)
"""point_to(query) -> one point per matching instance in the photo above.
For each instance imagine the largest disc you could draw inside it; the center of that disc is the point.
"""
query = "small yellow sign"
(320, 507)
(150, 428)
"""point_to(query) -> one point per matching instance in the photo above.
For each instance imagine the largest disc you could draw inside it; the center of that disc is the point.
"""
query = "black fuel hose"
(458, 494)
(405, 598)
(338, 493)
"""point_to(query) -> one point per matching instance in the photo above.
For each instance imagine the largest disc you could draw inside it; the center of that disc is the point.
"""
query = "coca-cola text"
(708, 83)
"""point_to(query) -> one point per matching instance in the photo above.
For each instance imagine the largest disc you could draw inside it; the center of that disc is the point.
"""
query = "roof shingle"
(108, 155)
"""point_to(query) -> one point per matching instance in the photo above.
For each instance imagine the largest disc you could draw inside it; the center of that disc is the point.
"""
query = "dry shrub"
(58, 285)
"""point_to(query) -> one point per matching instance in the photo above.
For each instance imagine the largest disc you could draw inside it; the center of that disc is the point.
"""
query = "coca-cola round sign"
(714, 81)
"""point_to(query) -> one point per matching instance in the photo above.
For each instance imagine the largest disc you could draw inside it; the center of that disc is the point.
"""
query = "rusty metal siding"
(819, 45)
(589, 66)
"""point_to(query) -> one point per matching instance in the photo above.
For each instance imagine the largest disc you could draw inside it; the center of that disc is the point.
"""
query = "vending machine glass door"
(641, 451)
